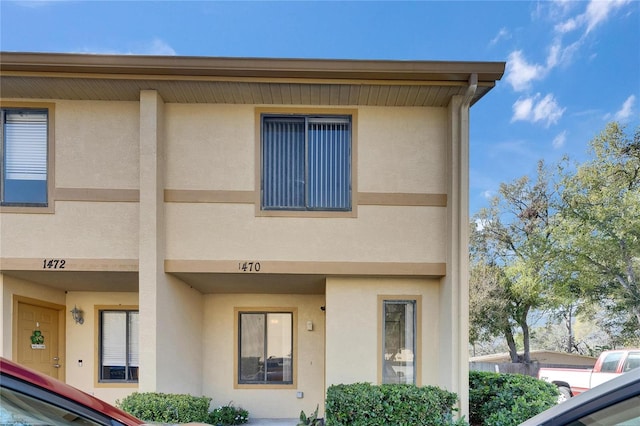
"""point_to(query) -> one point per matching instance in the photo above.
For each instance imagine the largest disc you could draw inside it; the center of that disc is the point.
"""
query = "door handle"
(56, 365)
(55, 358)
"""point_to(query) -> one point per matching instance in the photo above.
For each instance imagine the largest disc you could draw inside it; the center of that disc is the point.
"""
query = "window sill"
(307, 213)
(264, 386)
(116, 385)
(27, 209)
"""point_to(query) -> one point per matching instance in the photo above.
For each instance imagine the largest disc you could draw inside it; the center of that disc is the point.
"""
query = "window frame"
(306, 113)
(31, 207)
(99, 381)
(417, 331)
(237, 383)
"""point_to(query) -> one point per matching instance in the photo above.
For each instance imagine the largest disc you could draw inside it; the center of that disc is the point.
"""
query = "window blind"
(25, 145)
(134, 352)
(114, 339)
(306, 163)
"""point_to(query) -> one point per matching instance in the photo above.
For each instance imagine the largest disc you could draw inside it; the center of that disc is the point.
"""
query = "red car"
(30, 397)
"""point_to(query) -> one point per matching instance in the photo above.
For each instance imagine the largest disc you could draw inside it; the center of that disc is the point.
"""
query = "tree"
(598, 226)
(510, 251)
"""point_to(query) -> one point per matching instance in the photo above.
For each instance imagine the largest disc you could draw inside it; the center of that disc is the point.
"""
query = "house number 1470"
(249, 266)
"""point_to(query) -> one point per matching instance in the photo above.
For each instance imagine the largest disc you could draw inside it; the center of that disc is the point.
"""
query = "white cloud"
(159, 47)
(503, 34)
(560, 140)
(521, 73)
(536, 109)
(597, 12)
(154, 47)
(569, 16)
(522, 109)
(626, 111)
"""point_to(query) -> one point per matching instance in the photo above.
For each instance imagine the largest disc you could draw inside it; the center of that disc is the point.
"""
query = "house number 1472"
(53, 263)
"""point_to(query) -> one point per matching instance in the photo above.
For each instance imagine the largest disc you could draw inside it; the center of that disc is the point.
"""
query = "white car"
(616, 402)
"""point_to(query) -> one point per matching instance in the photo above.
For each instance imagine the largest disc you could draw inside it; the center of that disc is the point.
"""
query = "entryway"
(38, 335)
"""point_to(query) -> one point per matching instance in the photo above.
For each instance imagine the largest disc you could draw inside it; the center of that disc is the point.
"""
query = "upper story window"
(24, 152)
(306, 162)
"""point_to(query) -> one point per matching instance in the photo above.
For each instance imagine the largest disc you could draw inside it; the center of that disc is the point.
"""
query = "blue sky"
(572, 66)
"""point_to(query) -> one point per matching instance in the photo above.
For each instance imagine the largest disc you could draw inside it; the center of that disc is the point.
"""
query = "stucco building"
(254, 230)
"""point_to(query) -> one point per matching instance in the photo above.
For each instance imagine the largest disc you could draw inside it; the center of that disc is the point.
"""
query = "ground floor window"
(399, 341)
(119, 349)
(265, 348)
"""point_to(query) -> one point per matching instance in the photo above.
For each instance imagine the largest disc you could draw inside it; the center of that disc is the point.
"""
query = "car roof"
(20, 372)
(618, 389)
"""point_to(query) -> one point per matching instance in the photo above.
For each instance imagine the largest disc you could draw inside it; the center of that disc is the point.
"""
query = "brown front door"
(38, 338)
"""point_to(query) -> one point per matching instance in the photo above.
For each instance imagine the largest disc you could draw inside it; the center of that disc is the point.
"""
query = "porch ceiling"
(209, 283)
(206, 283)
(81, 280)
(242, 81)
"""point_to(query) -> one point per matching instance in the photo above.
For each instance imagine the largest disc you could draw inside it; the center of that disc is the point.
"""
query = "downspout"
(463, 240)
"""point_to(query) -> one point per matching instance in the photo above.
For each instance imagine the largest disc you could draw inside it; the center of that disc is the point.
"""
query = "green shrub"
(228, 415)
(166, 408)
(311, 420)
(363, 404)
(507, 399)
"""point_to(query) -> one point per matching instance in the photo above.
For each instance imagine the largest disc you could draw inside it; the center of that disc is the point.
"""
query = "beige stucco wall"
(353, 327)
(402, 150)
(76, 230)
(179, 335)
(96, 144)
(218, 349)
(209, 147)
(380, 234)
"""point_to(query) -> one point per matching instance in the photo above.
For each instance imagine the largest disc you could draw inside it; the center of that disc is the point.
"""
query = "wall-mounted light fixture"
(76, 314)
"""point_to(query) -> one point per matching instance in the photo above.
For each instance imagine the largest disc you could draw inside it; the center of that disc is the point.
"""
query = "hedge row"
(494, 400)
(180, 408)
(507, 399)
(363, 404)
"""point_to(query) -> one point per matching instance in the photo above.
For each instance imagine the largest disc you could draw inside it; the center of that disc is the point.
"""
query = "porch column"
(171, 312)
(151, 238)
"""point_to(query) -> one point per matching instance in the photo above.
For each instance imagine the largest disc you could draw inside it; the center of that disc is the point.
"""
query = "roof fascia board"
(189, 66)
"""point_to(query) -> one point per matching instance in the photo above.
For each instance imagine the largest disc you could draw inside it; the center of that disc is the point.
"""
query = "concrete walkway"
(273, 422)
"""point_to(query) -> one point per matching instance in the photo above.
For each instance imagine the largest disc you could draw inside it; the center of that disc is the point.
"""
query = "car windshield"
(20, 409)
(625, 413)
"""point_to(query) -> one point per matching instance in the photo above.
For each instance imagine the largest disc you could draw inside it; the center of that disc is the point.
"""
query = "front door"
(38, 340)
